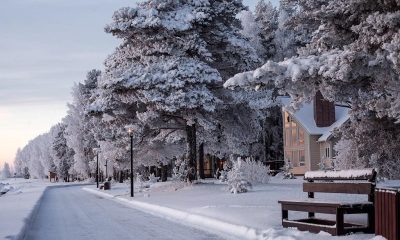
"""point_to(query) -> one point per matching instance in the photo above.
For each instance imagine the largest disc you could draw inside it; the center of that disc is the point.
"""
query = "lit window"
(302, 158)
(301, 136)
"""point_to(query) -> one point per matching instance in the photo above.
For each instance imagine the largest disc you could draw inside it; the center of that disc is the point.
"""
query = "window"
(302, 158)
(301, 136)
(327, 152)
(294, 136)
(287, 137)
(288, 156)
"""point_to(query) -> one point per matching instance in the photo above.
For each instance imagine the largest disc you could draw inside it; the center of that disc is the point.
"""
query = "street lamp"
(97, 150)
(130, 131)
(106, 170)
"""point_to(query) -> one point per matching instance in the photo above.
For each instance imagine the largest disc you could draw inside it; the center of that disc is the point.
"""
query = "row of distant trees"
(165, 82)
(188, 79)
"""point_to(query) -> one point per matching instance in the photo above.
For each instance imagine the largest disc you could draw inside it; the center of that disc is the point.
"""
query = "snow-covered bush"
(245, 173)
(222, 174)
(237, 180)
(256, 171)
(6, 172)
(180, 170)
(141, 183)
(287, 174)
(153, 178)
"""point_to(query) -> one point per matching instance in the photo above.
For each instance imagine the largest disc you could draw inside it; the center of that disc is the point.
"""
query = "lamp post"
(106, 170)
(97, 165)
(130, 131)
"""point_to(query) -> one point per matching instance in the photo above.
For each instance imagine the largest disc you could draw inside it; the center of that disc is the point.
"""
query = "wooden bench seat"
(336, 184)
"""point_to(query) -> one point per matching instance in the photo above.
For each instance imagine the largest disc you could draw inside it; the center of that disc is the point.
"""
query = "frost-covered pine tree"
(353, 58)
(79, 124)
(251, 29)
(63, 156)
(173, 58)
(6, 171)
(266, 15)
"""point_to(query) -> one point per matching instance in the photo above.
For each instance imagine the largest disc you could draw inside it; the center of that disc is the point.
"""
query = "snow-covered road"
(71, 213)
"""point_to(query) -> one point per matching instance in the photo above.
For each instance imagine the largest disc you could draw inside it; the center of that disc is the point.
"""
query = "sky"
(45, 47)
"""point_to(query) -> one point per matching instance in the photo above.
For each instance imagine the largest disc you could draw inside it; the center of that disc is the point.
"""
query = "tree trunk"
(192, 147)
(164, 173)
(121, 176)
(201, 161)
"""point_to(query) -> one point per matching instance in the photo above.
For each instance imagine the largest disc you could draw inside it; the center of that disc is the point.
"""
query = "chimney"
(324, 111)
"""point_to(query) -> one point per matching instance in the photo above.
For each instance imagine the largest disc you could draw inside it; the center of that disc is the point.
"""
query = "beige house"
(307, 133)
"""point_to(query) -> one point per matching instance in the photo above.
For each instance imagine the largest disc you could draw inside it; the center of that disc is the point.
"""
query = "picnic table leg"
(285, 215)
(339, 222)
(311, 214)
(371, 221)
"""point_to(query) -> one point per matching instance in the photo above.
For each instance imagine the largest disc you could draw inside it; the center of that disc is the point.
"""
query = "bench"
(345, 181)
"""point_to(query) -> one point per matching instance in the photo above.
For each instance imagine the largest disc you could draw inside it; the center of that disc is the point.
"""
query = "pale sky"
(45, 47)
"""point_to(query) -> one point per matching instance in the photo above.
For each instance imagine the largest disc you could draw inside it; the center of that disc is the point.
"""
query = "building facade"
(307, 134)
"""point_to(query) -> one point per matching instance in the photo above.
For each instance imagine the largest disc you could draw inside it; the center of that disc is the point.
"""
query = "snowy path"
(71, 213)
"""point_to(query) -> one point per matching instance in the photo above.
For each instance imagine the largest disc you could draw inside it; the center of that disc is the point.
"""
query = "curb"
(182, 217)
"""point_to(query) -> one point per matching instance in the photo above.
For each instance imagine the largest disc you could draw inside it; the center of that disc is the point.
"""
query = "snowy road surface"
(71, 213)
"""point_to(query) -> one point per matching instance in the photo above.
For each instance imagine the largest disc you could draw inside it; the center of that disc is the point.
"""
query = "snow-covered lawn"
(258, 210)
(18, 203)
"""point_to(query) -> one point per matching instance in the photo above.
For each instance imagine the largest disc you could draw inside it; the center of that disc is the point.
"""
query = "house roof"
(305, 117)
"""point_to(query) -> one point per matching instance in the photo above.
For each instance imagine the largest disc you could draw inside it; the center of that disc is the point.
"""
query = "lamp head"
(130, 131)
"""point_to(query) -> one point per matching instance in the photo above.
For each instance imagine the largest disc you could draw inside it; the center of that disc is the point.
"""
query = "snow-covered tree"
(266, 15)
(62, 155)
(353, 58)
(18, 163)
(79, 124)
(251, 29)
(6, 171)
(168, 69)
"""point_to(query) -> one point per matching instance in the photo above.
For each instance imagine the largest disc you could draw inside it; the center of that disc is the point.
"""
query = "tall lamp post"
(96, 150)
(130, 131)
(106, 170)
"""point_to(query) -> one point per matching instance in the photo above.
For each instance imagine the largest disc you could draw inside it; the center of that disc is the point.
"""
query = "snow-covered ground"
(18, 203)
(257, 212)
(206, 205)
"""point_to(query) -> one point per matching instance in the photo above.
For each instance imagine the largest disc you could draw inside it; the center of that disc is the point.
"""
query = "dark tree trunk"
(201, 161)
(121, 176)
(164, 173)
(192, 145)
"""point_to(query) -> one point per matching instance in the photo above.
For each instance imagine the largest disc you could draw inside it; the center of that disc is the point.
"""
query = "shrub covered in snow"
(245, 173)
(6, 172)
(237, 180)
(180, 170)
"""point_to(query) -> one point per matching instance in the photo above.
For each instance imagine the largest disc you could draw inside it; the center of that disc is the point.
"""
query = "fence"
(387, 213)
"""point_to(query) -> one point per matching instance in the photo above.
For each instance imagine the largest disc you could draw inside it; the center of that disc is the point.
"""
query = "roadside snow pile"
(5, 188)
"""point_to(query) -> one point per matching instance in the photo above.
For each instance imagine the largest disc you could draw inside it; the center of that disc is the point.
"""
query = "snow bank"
(207, 206)
(5, 188)
(202, 222)
(19, 205)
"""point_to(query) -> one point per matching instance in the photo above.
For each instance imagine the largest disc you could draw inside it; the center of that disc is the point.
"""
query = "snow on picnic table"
(257, 208)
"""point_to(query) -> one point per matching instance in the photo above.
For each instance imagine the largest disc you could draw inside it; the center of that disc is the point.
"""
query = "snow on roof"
(305, 117)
